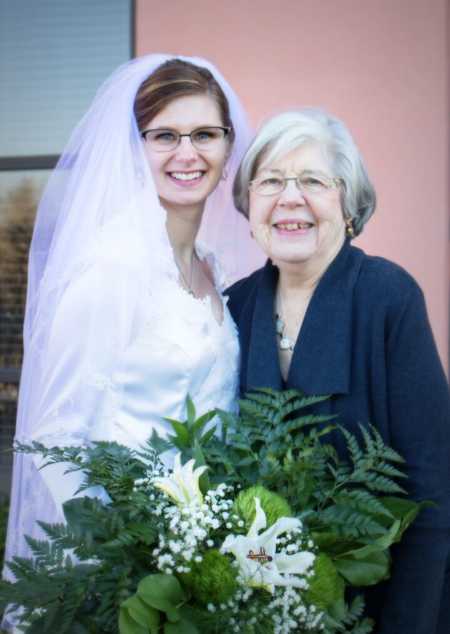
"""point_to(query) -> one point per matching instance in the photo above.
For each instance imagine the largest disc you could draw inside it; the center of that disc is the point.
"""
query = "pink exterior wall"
(380, 65)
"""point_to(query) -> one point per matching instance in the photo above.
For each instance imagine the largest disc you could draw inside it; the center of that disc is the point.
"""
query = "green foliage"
(96, 573)
(325, 587)
(348, 619)
(211, 580)
(189, 435)
(136, 617)
(273, 505)
(163, 593)
(109, 545)
(271, 444)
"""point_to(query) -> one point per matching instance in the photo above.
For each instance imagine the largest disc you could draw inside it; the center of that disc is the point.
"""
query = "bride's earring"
(224, 174)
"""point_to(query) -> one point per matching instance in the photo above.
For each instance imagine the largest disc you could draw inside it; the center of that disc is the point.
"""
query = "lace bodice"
(181, 350)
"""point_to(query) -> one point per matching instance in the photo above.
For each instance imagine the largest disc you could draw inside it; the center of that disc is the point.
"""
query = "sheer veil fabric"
(100, 205)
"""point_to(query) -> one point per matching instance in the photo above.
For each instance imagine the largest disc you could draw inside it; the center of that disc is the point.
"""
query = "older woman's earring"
(349, 230)
(224, 174)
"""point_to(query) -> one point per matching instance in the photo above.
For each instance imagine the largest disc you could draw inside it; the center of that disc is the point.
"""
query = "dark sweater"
(366, 340)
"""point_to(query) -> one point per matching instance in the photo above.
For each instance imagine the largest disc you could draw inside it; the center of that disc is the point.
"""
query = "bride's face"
(185, 174)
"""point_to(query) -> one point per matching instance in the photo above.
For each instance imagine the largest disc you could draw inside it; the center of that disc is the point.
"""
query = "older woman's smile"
(292, 226)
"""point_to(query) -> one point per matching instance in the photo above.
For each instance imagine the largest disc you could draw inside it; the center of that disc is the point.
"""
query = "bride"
(125, 315)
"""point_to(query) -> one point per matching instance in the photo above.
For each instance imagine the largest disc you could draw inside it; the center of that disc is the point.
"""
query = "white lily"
(183, 483)
(256, 553)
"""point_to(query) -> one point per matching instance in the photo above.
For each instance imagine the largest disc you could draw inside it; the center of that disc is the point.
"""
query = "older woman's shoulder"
(246, 283)
(386, 281)
(243, 290)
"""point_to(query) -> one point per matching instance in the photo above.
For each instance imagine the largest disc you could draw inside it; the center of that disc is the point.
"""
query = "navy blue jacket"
(366, 340)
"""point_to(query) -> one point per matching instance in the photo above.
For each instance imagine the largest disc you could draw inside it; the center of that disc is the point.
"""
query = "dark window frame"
(48, 162)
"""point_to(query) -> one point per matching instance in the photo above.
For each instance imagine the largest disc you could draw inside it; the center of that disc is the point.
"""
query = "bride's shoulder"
(214, 265)
(119, 246)
(113, 261)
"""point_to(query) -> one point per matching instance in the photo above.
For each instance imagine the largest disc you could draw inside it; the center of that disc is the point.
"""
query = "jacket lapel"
(321, 361)
(263, 368)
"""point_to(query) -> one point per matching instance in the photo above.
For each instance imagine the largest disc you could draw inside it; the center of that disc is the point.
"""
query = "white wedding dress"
(176, 348)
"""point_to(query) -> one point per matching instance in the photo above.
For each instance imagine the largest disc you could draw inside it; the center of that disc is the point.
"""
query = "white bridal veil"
(100, 204)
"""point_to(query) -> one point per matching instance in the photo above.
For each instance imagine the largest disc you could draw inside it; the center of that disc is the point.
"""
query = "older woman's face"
(295, 226)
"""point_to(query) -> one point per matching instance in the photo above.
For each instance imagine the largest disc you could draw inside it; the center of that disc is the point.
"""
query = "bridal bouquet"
(259, 527)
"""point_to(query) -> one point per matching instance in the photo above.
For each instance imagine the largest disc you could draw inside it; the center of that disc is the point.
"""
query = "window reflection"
(19, 196)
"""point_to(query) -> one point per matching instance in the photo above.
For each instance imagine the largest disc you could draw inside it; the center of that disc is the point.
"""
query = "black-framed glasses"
(166, 139)
(308, 182)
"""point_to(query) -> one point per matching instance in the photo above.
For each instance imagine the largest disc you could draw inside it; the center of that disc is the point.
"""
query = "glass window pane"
(54, 54)
(19, 195)
(8, 397)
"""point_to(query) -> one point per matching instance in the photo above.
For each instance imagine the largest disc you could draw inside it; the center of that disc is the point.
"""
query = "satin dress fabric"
(177, 348)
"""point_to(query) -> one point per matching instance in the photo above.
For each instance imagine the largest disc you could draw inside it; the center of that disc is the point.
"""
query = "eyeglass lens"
(307, 182)
(201, 138)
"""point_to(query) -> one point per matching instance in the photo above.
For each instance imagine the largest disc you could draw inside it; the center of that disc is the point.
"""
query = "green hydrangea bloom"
(325, 587)
(273, 505)
(212, 580)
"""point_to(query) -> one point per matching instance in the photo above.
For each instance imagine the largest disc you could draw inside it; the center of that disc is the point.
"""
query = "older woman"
(323, 317)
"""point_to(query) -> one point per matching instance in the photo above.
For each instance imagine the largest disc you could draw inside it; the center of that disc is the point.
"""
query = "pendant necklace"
(285, 342)
(187, 285)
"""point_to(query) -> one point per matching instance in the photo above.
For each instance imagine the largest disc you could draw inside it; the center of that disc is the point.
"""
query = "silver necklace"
(285, 342)
(187, 285)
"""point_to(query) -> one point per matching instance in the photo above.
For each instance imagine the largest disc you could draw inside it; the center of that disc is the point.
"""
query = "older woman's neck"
(304, 276)
(293, 279)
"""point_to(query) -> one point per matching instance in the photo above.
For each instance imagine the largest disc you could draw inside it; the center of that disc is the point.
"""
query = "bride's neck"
(182, 229)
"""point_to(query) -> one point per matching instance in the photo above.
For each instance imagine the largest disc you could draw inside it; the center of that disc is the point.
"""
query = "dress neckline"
(204, 255)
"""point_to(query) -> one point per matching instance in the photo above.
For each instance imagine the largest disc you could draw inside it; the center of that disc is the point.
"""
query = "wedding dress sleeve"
(76, 391)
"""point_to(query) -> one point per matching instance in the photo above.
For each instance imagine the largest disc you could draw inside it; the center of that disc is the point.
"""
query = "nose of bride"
(185, 150)
(291, 196)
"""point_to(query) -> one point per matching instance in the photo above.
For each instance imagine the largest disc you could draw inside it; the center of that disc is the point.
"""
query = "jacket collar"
(321, 361)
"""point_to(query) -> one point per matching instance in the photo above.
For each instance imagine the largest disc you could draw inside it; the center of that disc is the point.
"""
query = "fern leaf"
(381, 484)
(362, 501)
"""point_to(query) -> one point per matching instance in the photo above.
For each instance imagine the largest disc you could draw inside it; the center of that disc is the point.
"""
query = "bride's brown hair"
(172, 80)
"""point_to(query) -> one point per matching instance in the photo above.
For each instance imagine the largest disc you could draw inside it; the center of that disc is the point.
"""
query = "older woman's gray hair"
(289, 131)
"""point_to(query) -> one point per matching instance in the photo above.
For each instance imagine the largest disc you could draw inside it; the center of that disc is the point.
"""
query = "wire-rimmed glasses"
(307, 182)
(166, 139)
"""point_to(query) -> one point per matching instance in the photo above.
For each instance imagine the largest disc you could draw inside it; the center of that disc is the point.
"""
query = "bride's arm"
(90, 328)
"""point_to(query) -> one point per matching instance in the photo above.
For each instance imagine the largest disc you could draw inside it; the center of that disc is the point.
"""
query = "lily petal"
(256, 553)
(182, 485)
(259, 522)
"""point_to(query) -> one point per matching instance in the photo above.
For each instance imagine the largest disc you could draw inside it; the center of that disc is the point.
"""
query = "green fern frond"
(348, 521)
(353, 447)
(362, 501)
(382, 484)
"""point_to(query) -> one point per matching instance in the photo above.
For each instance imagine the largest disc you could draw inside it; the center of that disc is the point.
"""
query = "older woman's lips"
(293, 228)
